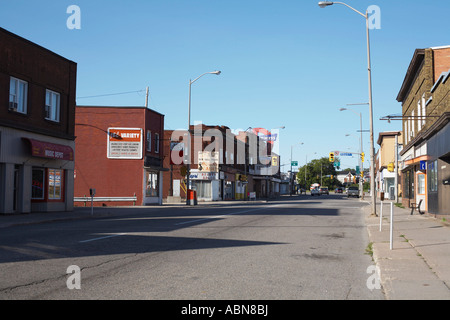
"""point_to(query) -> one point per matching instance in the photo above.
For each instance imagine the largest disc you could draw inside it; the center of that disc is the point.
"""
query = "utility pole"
(146, 99)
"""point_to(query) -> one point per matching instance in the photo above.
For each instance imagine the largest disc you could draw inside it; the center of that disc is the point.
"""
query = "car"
(338, 190)
(353, 192)
(315, 192)
(324, 190)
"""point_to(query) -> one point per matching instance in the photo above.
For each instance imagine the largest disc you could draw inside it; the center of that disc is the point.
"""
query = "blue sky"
(284, 63)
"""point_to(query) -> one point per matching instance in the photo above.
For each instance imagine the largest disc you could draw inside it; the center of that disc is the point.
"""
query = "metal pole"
(392, 226)
(396, 169)
(372, 151)
(188, 165)
(381, 214)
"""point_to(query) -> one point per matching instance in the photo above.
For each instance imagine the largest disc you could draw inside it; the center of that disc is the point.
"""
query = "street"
(298, 247)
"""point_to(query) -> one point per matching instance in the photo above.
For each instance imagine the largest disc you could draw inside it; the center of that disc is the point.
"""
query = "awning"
(49, 150)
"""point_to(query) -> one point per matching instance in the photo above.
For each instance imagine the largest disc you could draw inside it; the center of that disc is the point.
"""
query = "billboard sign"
(125, 143)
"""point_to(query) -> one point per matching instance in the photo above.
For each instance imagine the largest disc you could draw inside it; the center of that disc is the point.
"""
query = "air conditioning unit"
(13, 106)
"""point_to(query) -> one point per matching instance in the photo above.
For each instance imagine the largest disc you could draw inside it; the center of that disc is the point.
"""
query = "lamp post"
(361, 185)
(291, 176)
(188, 165)
(324, 4)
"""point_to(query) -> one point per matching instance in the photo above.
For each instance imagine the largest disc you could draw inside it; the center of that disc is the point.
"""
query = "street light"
(361, 185)
(324, 4)
(188, 171)
(291, 176)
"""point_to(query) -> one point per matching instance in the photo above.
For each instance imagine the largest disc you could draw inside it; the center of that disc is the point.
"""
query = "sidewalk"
(418, 266)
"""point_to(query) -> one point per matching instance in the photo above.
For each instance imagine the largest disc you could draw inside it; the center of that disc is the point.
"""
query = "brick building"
(119, 154)
(425, 157)
(224, 166)
(37, 122)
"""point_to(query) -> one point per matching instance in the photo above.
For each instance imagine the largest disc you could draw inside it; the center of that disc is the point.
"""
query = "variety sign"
(125, 143)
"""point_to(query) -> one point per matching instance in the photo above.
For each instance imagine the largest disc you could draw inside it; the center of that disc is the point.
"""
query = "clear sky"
(284, 63)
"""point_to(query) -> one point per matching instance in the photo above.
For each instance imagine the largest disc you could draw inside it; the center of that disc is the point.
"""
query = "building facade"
(387, 167)
(224, 166)
(425, 112)
(37, 123)
(119, 154)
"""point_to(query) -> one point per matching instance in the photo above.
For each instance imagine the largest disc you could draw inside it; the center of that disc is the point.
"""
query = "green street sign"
(294, 163)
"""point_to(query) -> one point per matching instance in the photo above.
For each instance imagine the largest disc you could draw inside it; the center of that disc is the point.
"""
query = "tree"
(316, 171)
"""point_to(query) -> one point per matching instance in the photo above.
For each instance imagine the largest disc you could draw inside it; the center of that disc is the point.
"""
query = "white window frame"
(52, 105)
(18, 101)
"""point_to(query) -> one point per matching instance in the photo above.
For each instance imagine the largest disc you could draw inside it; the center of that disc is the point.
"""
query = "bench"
(413, 206)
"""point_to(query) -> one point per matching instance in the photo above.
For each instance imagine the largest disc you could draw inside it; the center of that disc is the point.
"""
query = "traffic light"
(362, 156)
(331, 156)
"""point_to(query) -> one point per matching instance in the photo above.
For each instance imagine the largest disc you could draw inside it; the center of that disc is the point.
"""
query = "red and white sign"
(125, 143)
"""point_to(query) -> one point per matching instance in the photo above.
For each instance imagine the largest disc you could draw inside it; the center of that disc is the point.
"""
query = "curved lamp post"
(324, 4)
(188, 171)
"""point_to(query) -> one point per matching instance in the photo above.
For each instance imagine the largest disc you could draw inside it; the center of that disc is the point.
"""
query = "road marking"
(101, 238)
(224, 215)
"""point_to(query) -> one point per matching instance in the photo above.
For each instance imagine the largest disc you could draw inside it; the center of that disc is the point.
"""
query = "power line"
(110, 94)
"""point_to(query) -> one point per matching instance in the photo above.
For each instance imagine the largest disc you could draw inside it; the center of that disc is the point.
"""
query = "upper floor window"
(149, 141)
(52, 105)
(18, 92)
(156, 142)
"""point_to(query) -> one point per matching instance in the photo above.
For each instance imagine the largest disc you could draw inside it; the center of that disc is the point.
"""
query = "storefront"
(206, 184)
(36, 172)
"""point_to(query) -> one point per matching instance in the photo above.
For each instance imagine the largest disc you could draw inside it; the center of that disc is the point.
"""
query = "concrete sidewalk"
(418, 266)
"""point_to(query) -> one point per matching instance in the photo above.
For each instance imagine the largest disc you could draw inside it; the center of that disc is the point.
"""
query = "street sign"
(294, 163)
(346, 154)
(423, 165)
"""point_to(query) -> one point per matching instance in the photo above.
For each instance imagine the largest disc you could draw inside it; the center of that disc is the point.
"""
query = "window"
(54, 184)
(52, 105)
(203, 188)
(152, 189)
(18, 92)
(37, 184)
(149, 141)
(156, 142)
(419, 119)
(432, 176)
(423, 110)
(421, 183)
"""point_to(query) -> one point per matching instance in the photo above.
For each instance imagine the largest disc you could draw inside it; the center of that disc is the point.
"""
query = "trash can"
(192, 197)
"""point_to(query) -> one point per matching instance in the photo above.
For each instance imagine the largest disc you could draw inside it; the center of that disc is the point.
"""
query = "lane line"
(224, 215)
(105, 237)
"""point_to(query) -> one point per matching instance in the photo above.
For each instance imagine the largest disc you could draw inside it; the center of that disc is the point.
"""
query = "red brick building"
(37, 122)
(119, 154)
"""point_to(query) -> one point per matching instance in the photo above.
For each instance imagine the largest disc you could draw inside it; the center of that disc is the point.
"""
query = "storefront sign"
(208, 161)
(204, 176)
(124, 143)
(49, 150)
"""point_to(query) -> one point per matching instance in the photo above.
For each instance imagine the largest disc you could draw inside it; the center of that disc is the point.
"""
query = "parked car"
(324, 190)
(315, 192)
(353, 192)
(338, 190)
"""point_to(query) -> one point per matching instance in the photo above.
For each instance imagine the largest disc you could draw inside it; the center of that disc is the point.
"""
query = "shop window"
(421, 184)
(152, 189)
(37, 184)
(203, 188)
(55, 184)
(432, 176)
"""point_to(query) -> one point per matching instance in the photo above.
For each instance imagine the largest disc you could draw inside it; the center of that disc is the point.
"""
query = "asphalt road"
(300, 247)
